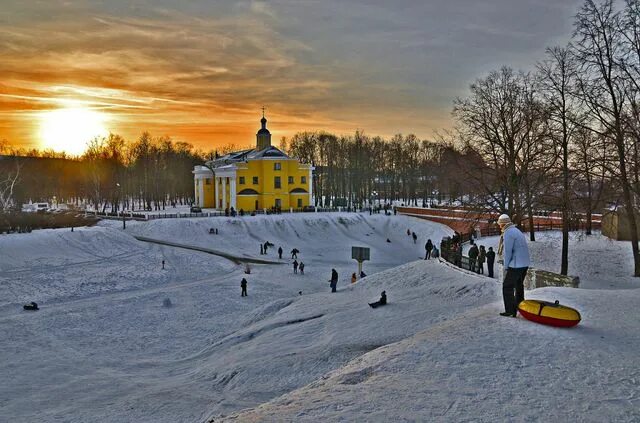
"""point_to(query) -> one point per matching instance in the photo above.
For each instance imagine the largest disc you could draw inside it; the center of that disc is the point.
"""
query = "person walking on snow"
(295, 266)
(408, 232)
(334, 280)
(301, 267)
(266, 245)
(514, 252)
(294, 253)
(414, 236)
(354, 278)
(261, 250)
(162, 264)
(491, 257)
(243, 285)
(428, 247)
(280, 253)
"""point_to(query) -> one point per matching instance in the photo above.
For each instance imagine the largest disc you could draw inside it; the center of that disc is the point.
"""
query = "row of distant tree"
(113, 173)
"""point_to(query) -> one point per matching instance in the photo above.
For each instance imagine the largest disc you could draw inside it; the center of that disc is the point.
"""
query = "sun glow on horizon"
(70, 129)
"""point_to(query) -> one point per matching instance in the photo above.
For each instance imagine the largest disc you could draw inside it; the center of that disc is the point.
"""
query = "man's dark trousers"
(513, 288)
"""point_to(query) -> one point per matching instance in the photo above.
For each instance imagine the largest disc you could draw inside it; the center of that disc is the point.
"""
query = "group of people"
(477, 257)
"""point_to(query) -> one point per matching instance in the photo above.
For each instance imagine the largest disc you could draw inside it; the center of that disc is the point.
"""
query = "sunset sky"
(200, 71)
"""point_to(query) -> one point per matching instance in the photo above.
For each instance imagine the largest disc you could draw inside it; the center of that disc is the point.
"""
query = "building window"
(242, 180)
(255, 180)
(299, 203)
(290, 179)
(276, 182)
(207, 181)
(277, 166)
(303, 179)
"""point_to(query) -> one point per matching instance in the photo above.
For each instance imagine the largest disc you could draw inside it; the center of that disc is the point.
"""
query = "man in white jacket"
(514, 252)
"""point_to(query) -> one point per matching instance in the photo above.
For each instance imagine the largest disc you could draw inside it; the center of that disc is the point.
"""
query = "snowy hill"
(104, 348)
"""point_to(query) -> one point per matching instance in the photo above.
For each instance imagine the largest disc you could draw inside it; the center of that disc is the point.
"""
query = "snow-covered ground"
(103, 347)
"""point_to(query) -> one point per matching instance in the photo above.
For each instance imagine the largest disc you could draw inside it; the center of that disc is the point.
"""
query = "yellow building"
(259, 178)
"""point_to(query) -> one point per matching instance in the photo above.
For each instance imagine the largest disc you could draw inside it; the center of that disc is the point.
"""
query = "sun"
(70, 129)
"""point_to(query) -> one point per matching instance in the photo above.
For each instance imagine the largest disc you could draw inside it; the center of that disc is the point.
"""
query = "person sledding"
(382, 301)
(31, 306)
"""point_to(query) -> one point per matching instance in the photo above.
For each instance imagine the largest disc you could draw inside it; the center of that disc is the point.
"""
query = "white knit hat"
(504, 219)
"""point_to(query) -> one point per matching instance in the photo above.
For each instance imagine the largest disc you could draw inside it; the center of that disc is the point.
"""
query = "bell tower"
(263, 137)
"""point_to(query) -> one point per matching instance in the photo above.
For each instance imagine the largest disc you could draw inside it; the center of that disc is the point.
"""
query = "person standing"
(295, 266)
(354, 278)
(301, 267)
(414, 236)
(473, 256)
(280, 253)
(243, 285)
(162, 264)
(428, 247)
(261, 250)
(334, 280)
(266, 246)
(482, 255)
(491, 257)
(408, 232)
(515, 255)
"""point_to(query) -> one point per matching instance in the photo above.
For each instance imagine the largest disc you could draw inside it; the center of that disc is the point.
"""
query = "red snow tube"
(552, 314)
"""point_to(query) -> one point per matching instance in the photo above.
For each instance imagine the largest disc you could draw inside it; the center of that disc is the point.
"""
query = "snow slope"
(111, 352)
(438, 351)
(478, 366)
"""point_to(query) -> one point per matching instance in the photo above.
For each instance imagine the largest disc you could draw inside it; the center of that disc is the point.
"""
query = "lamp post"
(124, 221)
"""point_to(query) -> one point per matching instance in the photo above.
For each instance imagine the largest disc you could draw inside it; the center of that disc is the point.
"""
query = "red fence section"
(465, 221)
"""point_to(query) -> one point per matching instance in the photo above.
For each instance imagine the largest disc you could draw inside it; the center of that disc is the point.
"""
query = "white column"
(311, 186)
(201, 189)
(224, 193)
(232, 194)
(217, 199)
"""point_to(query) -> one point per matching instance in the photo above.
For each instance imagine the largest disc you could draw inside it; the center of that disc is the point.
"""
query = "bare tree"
(604, 84)
(557, 80)
(8, 180)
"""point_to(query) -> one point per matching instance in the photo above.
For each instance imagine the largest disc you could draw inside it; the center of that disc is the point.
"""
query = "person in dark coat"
(482, 255)
(261, 249)
(362, 275)
(382, 301)
(414, 236)
(266, 246)
(491, 258)
(473, 256)
(280, 252)
(428, 247)
(408, 232)
(334, 280)
(301, 267)
(458, 258)
(294, 253)
(243, 285)
(295, 266)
